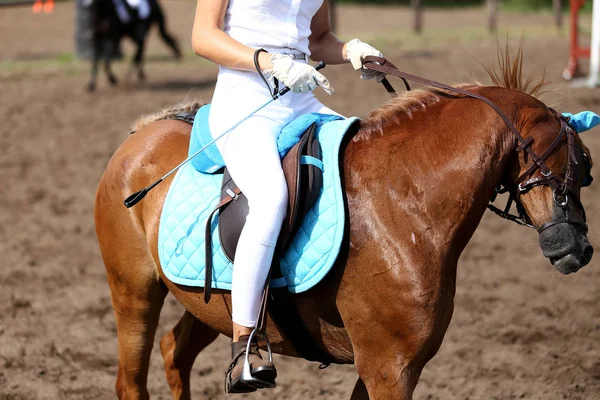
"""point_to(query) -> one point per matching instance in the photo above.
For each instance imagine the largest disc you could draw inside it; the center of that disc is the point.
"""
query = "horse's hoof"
(141, 76)
(91, 87)
(113, 81)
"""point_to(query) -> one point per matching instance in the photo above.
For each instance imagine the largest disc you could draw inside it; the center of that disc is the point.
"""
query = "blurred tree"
(332, 15)
(417, 5)
(558, 15)
(492, 6)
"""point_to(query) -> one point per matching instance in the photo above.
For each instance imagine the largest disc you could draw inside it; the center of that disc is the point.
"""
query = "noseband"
(562, 188)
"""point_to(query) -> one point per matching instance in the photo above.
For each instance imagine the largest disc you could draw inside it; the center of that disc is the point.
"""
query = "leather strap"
(273, 91)
(524, 182)
(208, 243)
(382, 65)
(390, 89)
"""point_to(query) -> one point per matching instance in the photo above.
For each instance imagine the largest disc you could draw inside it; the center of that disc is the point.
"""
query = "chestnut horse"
(419, 173)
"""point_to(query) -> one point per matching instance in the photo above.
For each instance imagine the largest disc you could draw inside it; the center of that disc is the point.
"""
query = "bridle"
(562, 188)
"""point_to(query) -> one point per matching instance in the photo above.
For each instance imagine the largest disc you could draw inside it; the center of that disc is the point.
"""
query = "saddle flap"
(302, 167)
(304, 181)
(232, 218)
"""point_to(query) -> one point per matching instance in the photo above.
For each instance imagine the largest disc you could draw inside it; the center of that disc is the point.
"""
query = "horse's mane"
(508, 73)
(186, 106)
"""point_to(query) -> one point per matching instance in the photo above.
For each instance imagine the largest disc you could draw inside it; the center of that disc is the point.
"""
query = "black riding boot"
(263, 371)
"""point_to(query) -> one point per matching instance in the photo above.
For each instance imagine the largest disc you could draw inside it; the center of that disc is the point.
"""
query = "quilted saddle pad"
(311, 254)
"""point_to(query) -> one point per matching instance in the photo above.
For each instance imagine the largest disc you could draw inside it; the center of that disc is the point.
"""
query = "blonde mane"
(508, 73)
(187, 106)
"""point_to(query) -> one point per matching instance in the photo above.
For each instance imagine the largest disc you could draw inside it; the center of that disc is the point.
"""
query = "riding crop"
(137, 196)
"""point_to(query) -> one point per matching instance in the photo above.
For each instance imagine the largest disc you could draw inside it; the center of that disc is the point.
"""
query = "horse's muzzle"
(567, 247)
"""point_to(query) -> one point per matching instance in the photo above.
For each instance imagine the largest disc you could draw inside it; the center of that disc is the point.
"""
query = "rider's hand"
(357, 51)
(299, 77)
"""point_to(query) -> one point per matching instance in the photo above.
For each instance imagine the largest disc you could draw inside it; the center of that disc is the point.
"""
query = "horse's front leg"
(139, 36)
(396, 325)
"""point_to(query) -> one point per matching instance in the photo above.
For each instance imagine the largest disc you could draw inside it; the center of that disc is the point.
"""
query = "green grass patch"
(66, 58)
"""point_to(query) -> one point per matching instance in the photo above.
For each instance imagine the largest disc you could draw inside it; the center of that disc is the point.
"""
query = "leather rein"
(561, 187)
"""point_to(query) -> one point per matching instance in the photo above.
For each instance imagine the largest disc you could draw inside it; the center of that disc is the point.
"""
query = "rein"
(561, 187)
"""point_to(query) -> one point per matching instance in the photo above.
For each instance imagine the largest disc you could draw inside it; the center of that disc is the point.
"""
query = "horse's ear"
(584, 121)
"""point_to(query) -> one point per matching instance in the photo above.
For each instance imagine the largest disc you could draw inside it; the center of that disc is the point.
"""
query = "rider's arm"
(323, 44)
(209, 40)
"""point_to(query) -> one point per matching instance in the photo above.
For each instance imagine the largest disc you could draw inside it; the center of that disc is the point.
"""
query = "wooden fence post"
(558, 15)
(417, 6)
(333, 15)
(492, 6)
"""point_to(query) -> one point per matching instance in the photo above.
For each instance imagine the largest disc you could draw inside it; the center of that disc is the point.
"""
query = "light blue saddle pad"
(209, 159)
(311, 254)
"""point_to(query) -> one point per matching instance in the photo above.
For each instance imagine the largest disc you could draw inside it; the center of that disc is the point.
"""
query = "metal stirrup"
(259, 331)
(247, 376)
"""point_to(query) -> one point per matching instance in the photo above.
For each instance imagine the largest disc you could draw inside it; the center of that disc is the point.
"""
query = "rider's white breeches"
(250, 153)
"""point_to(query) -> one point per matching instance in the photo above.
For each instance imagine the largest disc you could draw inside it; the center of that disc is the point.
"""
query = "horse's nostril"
(586, 257)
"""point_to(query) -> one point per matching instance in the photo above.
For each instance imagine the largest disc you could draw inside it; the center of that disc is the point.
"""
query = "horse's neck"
(429, 178)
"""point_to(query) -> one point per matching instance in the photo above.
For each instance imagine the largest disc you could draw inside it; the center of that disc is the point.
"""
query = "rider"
(228, 32)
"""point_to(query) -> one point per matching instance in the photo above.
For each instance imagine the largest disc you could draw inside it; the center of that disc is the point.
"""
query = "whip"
(137, 196)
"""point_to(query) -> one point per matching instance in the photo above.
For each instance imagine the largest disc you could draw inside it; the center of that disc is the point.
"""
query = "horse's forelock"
(508, 73)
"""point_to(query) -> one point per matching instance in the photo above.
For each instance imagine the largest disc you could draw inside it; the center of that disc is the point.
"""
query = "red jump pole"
(575, 51)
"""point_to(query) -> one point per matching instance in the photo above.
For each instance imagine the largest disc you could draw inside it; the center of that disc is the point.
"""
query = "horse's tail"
(186, 106)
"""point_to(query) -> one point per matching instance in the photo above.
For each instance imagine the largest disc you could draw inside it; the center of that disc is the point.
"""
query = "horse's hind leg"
(179, 348)
(159, 17)
(137, 296)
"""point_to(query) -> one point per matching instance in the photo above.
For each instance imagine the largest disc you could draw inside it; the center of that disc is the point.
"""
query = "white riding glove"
(299, 77)
(357, 51)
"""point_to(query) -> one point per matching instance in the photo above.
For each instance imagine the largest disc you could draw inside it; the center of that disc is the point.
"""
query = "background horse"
(108, 30)
(419, 173)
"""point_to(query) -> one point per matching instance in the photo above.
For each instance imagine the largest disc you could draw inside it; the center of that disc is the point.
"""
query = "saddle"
(303, 170)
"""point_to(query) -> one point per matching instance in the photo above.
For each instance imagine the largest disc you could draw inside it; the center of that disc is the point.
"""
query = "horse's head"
(547, 189)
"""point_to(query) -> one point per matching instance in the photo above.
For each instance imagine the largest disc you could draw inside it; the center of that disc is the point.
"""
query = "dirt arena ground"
(520, 329)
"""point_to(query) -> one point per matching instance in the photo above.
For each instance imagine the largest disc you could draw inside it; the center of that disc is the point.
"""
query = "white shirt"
(142, 7)
(275, 25)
